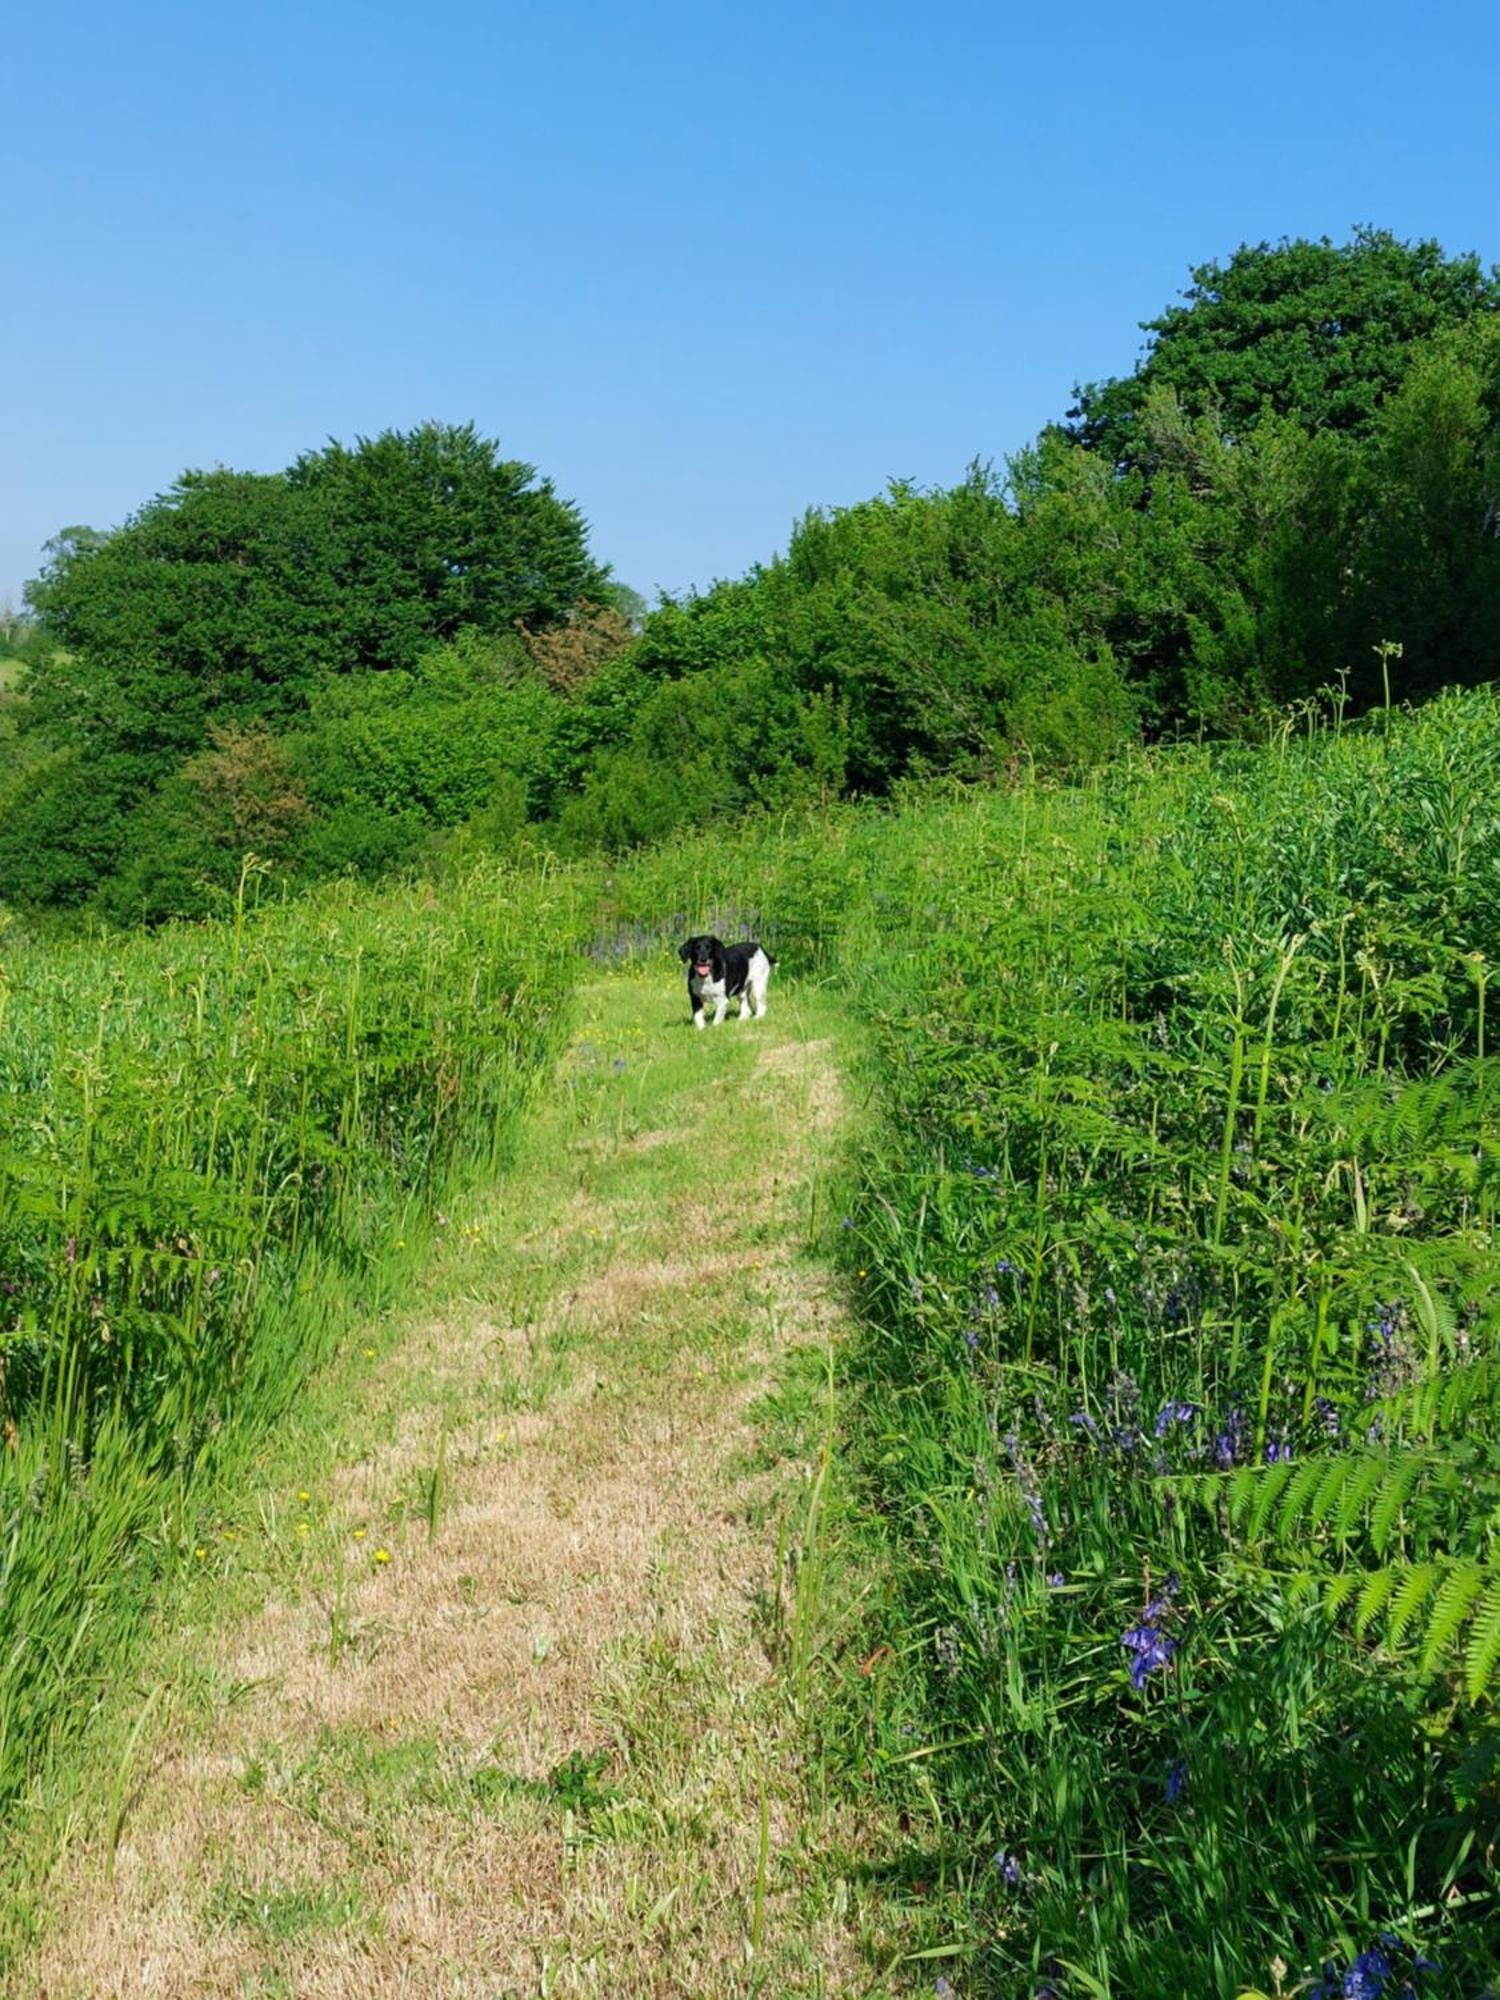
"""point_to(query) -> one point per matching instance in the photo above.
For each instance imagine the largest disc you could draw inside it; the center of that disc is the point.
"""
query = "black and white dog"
(723, 972)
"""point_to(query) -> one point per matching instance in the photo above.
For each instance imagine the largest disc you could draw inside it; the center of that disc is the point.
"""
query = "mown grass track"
(498, 1682)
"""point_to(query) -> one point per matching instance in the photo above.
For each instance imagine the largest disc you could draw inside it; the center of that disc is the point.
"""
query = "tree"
(235, 595)
(1315, 331)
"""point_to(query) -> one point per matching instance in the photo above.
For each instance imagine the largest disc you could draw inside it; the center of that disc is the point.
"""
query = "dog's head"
(703, 956)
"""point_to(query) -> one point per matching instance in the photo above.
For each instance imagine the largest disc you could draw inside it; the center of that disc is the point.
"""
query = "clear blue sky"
(704, 266)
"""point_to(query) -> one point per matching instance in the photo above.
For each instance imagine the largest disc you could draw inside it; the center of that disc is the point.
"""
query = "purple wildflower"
(1150, 1649)
(1176, 1782)
(1174, 1413)
(1393, 1364)
(1229, 1445)
(1031, 1491)
(1366, 1978)
(1008, 1868)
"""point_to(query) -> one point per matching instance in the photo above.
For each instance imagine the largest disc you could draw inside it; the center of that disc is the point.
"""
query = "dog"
(723, 972)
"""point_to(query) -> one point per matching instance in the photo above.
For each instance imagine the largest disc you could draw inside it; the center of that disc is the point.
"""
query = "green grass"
(1180, 1316)
(221, 1145)
(1171, 1240)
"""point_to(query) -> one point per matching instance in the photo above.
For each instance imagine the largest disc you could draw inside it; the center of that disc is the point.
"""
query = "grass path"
(485, 1690)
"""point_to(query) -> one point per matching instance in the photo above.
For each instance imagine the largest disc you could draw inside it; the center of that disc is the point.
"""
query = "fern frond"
(1455, 1594)
(1266, 1490)
(1414, 1587)
(1362, 1477)
(1395, 1490)
(1374, 1596)
(1309, 1478)
(1482, 1656)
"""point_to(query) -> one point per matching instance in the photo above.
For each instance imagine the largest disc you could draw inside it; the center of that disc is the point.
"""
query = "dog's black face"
(703, 957)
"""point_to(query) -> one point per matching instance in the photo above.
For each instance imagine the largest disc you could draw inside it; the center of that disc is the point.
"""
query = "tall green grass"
(1176, 1264)
(213, 1145)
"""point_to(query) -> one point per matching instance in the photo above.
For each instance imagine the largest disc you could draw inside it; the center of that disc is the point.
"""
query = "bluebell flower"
(1056, 1580)
(1176, 1782)
(1229, 1445)
(1150, 1649)
(1366, 1978)
(1008, 1868)
(1174, 1413)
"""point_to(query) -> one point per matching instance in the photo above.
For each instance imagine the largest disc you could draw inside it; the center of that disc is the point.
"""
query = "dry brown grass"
(373, 1813)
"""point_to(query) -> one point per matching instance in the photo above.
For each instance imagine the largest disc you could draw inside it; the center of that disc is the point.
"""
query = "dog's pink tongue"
(702, 970)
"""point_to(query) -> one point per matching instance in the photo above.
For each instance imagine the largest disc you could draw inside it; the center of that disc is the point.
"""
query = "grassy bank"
(1176, 1392)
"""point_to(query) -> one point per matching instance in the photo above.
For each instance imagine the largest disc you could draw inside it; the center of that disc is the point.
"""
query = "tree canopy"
(1315, 331)
(235, 595)
(403, 650)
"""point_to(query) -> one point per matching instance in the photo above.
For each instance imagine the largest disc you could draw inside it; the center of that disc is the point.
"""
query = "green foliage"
(1291, 500)
(213, 1137)
(237, 599)
(727, 739)
(1316, 331)
(239, 594)
(1174, 1396)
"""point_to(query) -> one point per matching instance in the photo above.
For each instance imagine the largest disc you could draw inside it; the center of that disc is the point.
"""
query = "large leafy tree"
(234, 596)
(1319, 332)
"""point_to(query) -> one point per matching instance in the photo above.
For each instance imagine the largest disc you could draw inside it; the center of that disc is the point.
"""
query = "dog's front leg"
(698, 1020)
(721, 1008)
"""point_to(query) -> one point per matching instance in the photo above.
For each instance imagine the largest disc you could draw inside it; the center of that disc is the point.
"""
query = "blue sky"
(703, 266)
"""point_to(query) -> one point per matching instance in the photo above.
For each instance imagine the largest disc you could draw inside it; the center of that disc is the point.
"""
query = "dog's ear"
(684, 952)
